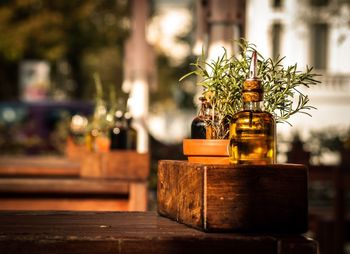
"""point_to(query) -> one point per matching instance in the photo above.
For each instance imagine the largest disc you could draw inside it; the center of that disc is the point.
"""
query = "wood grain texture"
(257, 198)
(182, 204)
(234, 198)
(133, 232)
(167, 188)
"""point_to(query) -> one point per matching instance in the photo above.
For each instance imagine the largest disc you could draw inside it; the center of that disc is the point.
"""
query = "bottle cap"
(252, 89)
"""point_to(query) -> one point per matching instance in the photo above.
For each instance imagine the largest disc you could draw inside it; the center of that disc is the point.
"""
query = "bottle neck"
(208, 112)
(129, 122)
(253, 105)
(205, 110)
(201, 111)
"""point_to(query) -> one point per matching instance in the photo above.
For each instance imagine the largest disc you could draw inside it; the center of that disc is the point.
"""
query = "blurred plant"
(331, 139)
(98, 120)
(112, 105)
(58, 137)
(60, 30)
(222, 80)
(106, 106)
(168, 84)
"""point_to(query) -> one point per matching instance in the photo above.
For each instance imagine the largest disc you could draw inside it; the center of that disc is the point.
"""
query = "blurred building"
(312, 32)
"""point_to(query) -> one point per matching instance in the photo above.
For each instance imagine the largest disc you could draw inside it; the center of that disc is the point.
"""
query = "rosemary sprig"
(222, 80)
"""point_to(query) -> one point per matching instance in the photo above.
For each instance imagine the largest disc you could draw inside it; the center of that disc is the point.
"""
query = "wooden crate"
(55, 183)
(73, 151)
(121, 164)
(38, 166)
(245, 198)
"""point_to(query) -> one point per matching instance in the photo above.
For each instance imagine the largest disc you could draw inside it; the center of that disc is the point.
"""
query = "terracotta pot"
(208, 151)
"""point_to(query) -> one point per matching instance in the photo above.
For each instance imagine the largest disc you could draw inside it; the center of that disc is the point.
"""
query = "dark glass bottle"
(198, 126)
(131, 133)
(252, 130)
(118, 134)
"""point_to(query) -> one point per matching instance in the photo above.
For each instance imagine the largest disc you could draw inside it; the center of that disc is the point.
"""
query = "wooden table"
(58, 183)
(129, 232)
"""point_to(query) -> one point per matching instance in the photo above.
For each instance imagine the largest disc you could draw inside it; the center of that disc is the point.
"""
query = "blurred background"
(88, 59)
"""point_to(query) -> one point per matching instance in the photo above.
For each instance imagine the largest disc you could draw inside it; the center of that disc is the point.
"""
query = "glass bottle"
(131, 133)
(118, 132)
(90, 138)
(252, 130)
(199, 128)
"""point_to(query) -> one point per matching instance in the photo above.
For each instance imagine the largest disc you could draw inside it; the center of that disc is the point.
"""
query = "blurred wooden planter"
(246, 198)
(121, 164)
(73, 151)
(208, 151)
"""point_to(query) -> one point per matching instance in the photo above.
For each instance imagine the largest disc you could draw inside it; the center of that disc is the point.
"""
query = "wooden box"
(73, 151)
(126, 165)
(246, 198)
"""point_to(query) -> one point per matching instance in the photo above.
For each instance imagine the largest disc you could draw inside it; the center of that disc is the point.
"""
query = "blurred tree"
(169, 87)
(55, 31)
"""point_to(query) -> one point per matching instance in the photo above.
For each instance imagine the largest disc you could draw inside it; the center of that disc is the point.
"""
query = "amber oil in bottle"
(252, 130)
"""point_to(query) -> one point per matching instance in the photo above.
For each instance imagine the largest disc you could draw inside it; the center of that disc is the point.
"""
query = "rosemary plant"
(222, 80)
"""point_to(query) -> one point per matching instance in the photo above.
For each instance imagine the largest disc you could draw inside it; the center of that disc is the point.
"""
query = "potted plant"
(222, 82)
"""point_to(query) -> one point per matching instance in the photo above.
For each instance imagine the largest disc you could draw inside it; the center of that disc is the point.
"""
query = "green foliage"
(222, 81)
(167, 82)
(71, 31)
(51, 29)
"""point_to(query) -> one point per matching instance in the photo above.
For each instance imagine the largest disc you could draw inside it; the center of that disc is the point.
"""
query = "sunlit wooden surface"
(130, 232)
(57, 183)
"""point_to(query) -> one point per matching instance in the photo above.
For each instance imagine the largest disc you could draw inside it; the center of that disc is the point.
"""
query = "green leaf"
(223, 78)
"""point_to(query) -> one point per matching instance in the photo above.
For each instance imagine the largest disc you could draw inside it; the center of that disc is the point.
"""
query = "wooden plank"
(234, 198)
(68, 203)
(38, 166)
(74, 151)
(180, 192)
(270, 198)
(91, 165)
(167, 188)
(52, 185)
(116, 165)
(133, 232)
(138, 196)
(126, 165)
